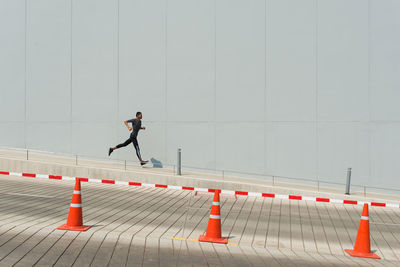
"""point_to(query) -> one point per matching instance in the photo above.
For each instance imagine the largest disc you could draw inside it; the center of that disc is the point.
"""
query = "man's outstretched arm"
(127, 125)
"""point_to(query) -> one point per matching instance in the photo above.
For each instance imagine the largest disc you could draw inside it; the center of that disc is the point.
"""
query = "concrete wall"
(288, 87)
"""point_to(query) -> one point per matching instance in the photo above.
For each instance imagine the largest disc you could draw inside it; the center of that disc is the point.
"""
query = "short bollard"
(179, 163)
(348, 181)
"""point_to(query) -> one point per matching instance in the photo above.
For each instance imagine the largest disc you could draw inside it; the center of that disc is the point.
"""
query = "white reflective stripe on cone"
(364, 218)
(76, 205)
(77, 192)
(215, 203)
(215, 216)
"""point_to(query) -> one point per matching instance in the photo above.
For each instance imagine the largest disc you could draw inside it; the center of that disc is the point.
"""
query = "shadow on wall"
(156, 163)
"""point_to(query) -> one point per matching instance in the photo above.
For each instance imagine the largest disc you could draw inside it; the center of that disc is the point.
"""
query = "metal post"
(365, 191)
(348, 181)
(318, 186)
(27, 157)
(273, 180)
(76, 160)
(179, 163)
(125, 165)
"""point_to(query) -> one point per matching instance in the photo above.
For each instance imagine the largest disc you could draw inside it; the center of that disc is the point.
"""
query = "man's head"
(139, 115)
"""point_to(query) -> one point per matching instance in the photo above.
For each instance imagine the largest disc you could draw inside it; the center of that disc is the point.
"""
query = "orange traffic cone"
(75, 221)
(362, 247)
(213, 233)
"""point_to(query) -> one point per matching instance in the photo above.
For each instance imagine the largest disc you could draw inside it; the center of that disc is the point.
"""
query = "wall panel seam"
(71, 73)
(316, 92)
(25, 82)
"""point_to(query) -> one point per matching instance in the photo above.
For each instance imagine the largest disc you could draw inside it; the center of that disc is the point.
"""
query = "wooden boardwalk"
(136, 226)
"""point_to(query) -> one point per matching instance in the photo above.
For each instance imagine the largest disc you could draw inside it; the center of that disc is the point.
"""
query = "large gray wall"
(302, 88)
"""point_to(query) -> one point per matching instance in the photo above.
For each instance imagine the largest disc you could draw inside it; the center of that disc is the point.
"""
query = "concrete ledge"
(101, 169)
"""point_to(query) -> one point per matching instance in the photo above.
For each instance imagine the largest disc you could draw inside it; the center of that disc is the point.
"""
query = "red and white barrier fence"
(226, 192)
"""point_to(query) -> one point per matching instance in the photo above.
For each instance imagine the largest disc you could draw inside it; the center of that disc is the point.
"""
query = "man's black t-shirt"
(136, 125)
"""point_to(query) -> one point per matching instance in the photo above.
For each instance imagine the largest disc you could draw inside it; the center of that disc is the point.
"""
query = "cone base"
(73, 228)
(354, 253)
(222, 240)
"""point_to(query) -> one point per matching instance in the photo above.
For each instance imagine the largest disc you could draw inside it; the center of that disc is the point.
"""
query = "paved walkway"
(135, 226)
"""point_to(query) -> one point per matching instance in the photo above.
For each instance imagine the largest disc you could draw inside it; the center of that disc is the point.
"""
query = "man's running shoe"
(143, 162)
(110, 151)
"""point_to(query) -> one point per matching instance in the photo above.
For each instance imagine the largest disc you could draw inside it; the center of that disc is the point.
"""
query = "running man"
(136, 127)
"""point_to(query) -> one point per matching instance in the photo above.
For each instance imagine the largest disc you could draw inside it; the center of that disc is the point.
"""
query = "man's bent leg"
(136, 145)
